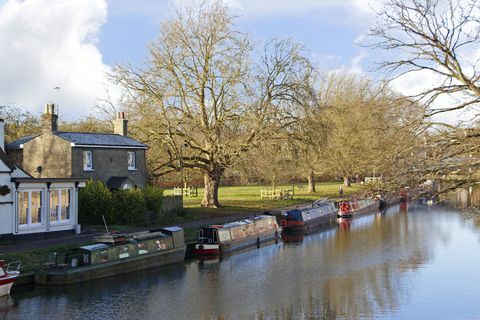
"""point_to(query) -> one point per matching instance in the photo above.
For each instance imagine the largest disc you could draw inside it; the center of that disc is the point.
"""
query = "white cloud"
(50, 43)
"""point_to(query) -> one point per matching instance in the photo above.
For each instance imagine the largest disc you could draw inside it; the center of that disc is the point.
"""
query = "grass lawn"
(239, 199)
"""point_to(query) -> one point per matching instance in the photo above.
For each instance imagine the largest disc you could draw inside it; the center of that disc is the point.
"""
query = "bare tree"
(202, 100)
(436, 36)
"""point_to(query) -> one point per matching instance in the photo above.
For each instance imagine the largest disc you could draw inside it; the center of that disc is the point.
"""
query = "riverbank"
(239, 202)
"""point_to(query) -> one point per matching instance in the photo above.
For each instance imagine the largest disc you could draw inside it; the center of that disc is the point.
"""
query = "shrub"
(129, 207)
(94, 201)
(153, 199)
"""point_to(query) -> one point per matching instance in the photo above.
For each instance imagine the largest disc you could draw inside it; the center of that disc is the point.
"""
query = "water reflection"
(382, 264)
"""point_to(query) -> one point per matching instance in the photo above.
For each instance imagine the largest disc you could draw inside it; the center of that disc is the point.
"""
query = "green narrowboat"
(114, 255)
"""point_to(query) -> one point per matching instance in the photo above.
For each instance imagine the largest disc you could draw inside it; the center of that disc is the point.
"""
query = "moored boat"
(8, 274)
(220, 239)
(297, 219)
(117, 254)
(347, 209)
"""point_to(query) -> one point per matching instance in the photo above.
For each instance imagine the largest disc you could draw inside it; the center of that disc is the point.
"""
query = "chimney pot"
(49, 118)
(120, 124)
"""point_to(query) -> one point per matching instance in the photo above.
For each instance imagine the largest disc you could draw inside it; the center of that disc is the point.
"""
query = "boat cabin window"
(142, 248)
(104, 256)
(160, 245)
(123, 252)
(208, 235)
(2, 273)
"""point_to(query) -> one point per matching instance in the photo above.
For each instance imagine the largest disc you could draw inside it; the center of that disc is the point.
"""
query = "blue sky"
(73, 44)
(327, 32)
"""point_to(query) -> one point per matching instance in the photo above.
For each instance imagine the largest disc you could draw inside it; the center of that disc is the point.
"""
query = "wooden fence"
(276, 194)
(187, 192)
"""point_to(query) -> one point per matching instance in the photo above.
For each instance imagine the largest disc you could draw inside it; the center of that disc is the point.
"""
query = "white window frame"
(59, 219)
(131, 155)
(29, 209)
(87, 166)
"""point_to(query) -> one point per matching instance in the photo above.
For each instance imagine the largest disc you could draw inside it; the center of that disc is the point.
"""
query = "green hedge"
(129, 207)
(126, 207)
(94, 201)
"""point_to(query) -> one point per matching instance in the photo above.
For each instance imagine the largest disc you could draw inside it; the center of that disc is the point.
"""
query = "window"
(132, 161)
(60, 205)
(87, 161)
(29, 207)
(142, 248)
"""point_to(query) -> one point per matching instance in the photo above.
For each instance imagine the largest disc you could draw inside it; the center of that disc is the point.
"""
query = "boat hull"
(350, 214)
(87, 273)
(234, 245)
(296, 226)
(6, 285)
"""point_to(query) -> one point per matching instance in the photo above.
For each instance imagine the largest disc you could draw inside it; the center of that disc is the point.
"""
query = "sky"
(61, 51)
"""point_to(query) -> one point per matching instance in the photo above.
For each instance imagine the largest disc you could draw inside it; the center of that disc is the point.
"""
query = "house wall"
(6, 204)
(51, 153)
(108, 162)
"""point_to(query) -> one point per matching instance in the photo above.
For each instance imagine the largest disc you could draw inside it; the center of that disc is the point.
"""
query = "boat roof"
(93, 247)
(242, 222)
(173, 229)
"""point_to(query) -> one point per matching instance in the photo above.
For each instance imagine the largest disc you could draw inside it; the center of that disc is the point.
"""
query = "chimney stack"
(49, 119)
(120, 124)
(2, 134)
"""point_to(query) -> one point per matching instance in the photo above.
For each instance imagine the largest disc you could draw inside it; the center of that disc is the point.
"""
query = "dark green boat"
(117, 254)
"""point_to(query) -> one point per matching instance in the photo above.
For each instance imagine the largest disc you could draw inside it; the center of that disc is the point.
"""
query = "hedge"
(125, 207)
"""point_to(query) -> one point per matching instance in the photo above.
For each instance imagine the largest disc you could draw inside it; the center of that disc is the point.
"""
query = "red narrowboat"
(346, 209)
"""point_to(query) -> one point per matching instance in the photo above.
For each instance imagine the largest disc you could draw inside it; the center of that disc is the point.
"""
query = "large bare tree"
(440, 37)
(203, 100)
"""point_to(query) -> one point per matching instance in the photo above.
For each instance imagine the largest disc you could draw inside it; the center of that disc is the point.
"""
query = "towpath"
(88, 236)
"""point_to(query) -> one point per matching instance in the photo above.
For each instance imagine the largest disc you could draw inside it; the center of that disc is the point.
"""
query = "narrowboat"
(221, 239)
(347, 209)
(117, 254)
(320, 211)
(8, 274)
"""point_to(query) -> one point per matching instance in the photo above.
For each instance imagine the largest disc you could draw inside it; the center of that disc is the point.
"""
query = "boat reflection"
(297, 236)
(7, 304)
(344, 223)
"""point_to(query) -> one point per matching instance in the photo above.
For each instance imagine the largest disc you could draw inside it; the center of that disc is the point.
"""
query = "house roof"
(87, 139)
(17, 143)
(100, 139)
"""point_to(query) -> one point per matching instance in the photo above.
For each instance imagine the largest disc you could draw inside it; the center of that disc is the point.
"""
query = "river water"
(420, 263)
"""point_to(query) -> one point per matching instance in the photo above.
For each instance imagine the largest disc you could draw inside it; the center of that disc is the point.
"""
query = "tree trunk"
(311, 182)
(346, 181)
(210, 195)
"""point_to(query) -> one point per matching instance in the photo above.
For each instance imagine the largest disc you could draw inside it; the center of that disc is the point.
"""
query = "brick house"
(113, 158)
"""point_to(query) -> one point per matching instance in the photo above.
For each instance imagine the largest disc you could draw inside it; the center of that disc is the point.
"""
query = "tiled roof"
(17, 143)
(100, 139)
(92, 139)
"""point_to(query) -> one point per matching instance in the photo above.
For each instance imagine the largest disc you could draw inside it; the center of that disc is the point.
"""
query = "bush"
(94, 201)
(153, 199)
(129, 207)
(119, 207)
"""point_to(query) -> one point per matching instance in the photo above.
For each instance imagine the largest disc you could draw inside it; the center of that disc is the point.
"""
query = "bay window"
(29, 208)
(60, 205)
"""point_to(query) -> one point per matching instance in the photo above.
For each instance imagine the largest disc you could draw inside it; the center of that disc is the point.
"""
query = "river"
(420, 263)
